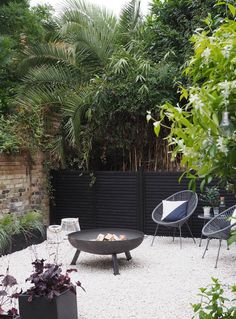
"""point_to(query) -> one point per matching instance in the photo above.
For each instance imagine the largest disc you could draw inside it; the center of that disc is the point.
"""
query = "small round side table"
(205, 220)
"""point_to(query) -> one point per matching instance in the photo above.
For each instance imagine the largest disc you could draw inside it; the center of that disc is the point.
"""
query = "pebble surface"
(159, 282)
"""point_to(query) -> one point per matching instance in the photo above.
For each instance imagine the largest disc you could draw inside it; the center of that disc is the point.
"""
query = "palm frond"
(48, 53)
(85, 12)
(75, 112)
(52, 76)
(39, 97)
(91, 27)
(130, 18)
(57, 151)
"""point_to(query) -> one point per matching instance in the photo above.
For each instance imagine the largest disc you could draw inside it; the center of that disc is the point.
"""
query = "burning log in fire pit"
(110, 237)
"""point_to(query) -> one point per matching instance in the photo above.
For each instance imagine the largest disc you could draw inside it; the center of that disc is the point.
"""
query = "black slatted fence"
(118, 199)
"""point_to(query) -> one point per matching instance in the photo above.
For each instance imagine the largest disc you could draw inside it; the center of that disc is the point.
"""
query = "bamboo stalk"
(135, 159)
(156, 152)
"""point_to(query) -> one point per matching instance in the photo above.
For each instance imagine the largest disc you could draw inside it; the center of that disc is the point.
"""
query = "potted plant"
(211, 197)
(52, 295)
(8, 294)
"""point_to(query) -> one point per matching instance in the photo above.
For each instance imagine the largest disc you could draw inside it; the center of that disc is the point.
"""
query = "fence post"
(140, 199)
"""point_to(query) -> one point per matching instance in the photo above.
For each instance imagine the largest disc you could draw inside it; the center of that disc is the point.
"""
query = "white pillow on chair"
(174, 210)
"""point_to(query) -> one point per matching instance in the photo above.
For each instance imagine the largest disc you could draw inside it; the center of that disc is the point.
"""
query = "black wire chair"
(187, 195)
(219, 227)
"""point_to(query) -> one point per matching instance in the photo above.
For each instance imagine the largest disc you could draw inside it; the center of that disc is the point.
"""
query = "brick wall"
(23, 184)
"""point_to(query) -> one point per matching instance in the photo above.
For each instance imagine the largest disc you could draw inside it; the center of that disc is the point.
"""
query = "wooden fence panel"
(119, 199)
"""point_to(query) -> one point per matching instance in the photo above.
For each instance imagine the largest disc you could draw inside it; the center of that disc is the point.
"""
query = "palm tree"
(59, 76)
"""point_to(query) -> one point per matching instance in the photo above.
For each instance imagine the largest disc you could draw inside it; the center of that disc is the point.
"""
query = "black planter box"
(61, 307)
(22, 241)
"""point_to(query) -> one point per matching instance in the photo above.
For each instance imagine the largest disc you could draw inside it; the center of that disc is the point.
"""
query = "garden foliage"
(87, 91)
(11, 224)
(8, 295)
(48, 281)
(20, 27)
(208, 149)
(88, 77)
(215, 303)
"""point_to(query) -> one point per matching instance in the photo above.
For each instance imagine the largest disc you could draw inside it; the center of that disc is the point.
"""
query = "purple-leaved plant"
(48, 280)
(8, 293)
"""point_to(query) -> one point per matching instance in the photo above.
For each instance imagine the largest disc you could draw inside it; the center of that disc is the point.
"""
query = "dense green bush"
(172, 24)
(21, 26)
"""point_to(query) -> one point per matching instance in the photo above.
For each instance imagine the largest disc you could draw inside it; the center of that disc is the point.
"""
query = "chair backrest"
(188, 195)
(226, 214)
(220, 225)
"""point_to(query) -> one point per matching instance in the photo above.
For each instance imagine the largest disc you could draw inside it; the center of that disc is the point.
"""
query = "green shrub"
(12, 224)
(9, 226)
(9, 141)
(214, 304)
(32, 221)
(4, 239)
(207, 148)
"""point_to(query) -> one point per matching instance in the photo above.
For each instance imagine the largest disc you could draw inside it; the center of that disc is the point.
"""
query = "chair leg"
(180, 237)
(218, 253)
(208, 241)
(190, 232)
(200, 244)
(174, 234)
(227, 245)
(154, 236)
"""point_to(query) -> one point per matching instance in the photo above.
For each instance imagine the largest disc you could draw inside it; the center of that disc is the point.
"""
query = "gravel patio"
(160, 282)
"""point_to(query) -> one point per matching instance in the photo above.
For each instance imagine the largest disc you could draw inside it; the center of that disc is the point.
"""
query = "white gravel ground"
(159, 282)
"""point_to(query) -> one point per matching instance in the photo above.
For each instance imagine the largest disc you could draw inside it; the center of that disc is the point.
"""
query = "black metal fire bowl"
(85, 240)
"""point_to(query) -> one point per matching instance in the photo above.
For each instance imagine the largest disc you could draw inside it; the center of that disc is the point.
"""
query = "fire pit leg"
(75, 257)
(128, 256)
(115, 264)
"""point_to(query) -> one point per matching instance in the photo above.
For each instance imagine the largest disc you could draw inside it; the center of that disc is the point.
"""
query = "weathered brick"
(21, 188)
(14, 200)
(5, 191)
(5, 211)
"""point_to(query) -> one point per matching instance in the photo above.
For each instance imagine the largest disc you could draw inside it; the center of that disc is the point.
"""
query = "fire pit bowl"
(85, 240)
